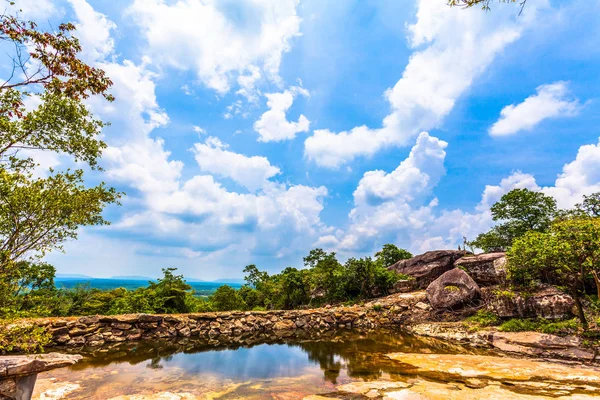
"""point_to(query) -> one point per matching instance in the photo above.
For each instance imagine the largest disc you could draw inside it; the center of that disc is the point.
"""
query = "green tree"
(590, 205)
(171, 294)
(227, 298)
(569, 251)
(294, 288)
(391, 254)
(485, 4)
(38, 214)
(326, 274)
(519, 211)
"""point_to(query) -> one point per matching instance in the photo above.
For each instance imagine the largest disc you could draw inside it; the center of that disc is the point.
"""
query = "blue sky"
(252, 131)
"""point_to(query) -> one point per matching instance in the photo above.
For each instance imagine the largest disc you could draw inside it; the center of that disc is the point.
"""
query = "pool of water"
(257, 368)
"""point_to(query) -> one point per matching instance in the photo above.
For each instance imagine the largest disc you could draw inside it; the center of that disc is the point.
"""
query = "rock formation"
(453, 289)
(486, 269)
(427, 267)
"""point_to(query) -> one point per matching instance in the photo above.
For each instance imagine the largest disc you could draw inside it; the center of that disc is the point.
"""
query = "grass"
(483, 318)
(540, 325)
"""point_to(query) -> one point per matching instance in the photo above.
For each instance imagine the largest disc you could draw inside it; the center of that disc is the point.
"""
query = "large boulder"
(453, 289)
(486, 269)
(427, 267)
(545, 302)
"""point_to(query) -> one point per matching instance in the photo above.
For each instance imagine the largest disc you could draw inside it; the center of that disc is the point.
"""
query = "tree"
(521, 211)
(569, 251)
(38, 214)
(326, 273)
(171, 294)
(391, 254)
(485, 4)
(227, 298)
(590, 205)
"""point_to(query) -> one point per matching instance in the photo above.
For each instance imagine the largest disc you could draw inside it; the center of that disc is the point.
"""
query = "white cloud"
(251, 172)
(273, 125)
(579, 177)
(223, 41)
(36, 9)
(391, 202)
(93, 31)
(550, 101)
(435, 77)
(396, 207)
(199, 130)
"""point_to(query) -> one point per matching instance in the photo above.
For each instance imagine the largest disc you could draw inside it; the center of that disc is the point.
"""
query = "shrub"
(540, 325)
(23, 338)
(484, 318)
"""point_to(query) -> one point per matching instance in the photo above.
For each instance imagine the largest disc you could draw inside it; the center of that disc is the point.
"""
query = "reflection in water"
(267, 367)
(359, 354)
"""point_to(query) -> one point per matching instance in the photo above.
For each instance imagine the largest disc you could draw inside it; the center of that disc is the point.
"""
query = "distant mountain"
(233, 280)
(132, 278)
(72, 276)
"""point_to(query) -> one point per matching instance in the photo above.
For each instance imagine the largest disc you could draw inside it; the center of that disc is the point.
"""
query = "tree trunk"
(580, 312)
(597, 280)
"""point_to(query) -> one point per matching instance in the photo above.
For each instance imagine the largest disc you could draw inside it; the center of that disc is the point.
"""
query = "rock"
(453, 289)
(486, 269)
(497, 368)
(523, 343)
(427, 267)
(545, 302)
(18, 373)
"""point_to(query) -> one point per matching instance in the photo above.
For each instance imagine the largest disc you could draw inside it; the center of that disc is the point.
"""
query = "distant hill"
(234, 281)
(73, 276)
(132, 278)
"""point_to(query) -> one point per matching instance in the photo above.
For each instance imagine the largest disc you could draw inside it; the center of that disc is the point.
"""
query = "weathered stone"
(486, 269)
(284, 325)
(89, 320)
(18, 373)
(427, 267)
(32, 364)
(546, 302)
(453, 289)
(121, 325)
(78, 340)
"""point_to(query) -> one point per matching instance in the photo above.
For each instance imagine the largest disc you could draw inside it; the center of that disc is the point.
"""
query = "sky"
(252, 131)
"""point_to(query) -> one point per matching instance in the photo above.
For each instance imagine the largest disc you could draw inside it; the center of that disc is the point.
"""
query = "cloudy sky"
(251, 131)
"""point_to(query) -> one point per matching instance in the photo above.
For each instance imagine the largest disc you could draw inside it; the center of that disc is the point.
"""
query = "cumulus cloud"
(579, 177)
(251, 172)
(400, 207)
(273, 125)
(222, 42)
(392, 202)
(35, 9)
(93, 31)
(550, 101)
(442, 67)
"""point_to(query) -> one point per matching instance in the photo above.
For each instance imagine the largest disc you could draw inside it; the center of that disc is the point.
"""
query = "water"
(201, 288)
(264, 368)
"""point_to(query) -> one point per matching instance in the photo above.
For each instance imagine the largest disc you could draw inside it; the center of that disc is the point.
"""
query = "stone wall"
(95, 331)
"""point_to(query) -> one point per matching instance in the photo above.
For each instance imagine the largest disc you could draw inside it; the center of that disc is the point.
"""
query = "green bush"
(484, 318)
(24, 338)
(540, 325)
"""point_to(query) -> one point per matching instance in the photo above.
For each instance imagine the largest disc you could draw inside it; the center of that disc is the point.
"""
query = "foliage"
(520, 211)
(227, 298)
(540, 325)
(567, 254)
(26, 338)
(483, 318)
(38, 214)
(485, 4)
(391, 254)
(590, 205)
